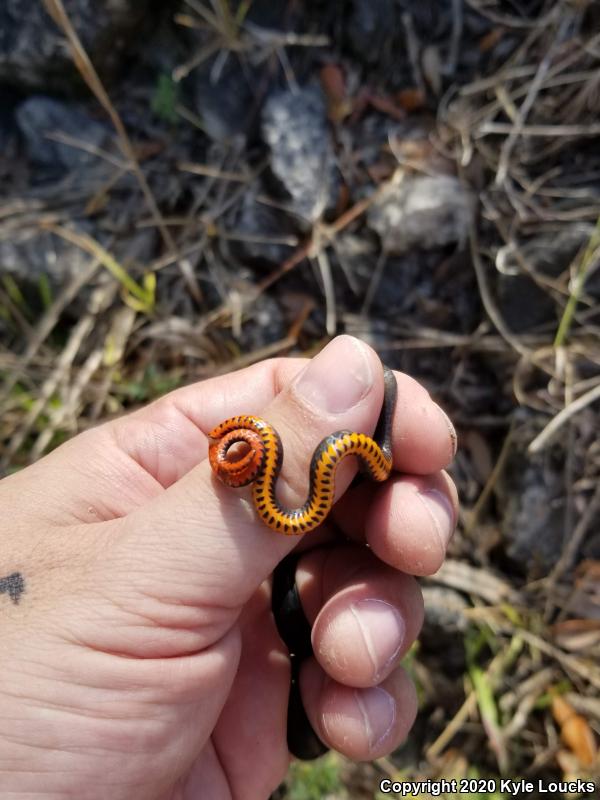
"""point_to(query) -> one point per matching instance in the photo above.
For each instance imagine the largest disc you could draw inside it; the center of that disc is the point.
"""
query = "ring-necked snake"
(261, 465)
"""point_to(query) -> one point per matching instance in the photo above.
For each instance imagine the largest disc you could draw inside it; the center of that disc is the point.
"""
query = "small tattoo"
(13, 585)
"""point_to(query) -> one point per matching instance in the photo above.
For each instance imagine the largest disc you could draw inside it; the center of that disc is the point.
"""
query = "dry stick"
(485, 494)
(79, 333)
(570, 552)
(487, 299)
(535, 684)
(57, 11)
(526, 106)
(116, 339)
(493, 674)
(587, 670)
(540, 130)
(455, 37)
(563, 416)
(57, 417)
(309, 249)
(507, 20)
(47, 323)
(329, 290)
(475, 581)
(374, 282)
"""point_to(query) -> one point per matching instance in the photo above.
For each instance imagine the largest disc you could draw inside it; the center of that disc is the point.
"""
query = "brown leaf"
(575, 731)
(481, 455)
(491, 39)
(386, 105)
(577, 634)
(411, 99)
(333, 82)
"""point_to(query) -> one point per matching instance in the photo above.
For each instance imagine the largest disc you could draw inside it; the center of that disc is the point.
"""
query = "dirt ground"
(238, 181)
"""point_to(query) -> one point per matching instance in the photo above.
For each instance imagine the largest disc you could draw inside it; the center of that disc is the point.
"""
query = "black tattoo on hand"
(13, 585)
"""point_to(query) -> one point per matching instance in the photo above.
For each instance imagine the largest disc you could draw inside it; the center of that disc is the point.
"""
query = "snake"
(261, 460)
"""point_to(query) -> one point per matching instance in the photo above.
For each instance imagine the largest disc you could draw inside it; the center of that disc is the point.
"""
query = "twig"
(79, 333)
(574, 542)
(88, 72)
(526, 106)
(542, 439)
(47, 323)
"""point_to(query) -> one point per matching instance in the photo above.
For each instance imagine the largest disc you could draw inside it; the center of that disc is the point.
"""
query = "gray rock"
(525, 304)
(445, 609)
(422, 212)
(32, 48)
(295, 127)
(261, 229)
(225, 104)
(264, 325)
(444, 628)
(30, 254)
(530, 495)
(370, 23)
(39, 116)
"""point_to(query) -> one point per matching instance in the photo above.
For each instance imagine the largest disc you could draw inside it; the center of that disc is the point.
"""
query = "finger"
(408, 521)
(362, 724)
(423, 438)
(365, 615)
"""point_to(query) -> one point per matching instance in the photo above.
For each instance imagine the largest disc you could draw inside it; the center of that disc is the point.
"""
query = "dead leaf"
(577, 634)
(490, 40)
(575, 731)
(333, 82)
(411, 99)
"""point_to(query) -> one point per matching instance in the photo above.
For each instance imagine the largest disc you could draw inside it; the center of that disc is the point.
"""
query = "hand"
(141, 659)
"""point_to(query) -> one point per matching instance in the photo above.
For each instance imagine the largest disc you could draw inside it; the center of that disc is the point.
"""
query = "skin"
(140, 659)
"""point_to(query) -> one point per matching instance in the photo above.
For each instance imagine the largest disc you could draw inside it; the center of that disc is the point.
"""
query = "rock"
(530, 495)
(422, 212)
(39, 116)
(444, 608)
(30, 254)
(444, 627)
(224, 103)
(32, 47)
(523, 303)
(294, 125)
(260, 222)
(368, 28)
(264, 324)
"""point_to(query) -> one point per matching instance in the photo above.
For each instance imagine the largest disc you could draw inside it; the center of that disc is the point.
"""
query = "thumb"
(199, 550)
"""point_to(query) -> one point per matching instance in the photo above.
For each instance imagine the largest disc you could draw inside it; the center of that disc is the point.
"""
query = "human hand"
(142, 660)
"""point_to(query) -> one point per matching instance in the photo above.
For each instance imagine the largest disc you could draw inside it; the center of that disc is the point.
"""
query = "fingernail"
(338, 377)
(378, 710)
(440, 511)
(382, 629)
(451, 431)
